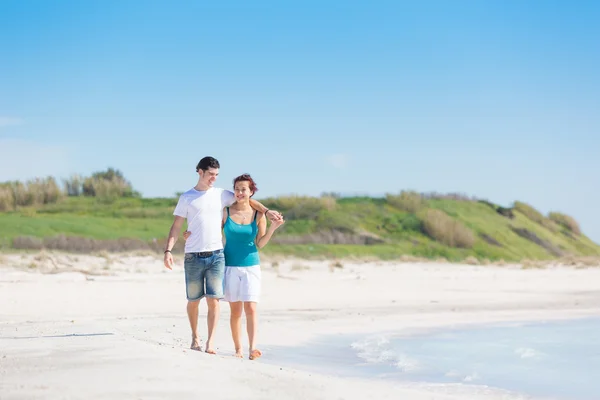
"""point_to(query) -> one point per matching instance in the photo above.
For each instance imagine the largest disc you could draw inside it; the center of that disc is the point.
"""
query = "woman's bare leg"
(235, 321)
(252, 327)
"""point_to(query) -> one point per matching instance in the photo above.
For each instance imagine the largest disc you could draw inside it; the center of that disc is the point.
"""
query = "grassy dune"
(407, 224)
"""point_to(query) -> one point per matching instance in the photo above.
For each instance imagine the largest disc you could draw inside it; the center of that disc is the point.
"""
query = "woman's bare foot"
(209, 348)
(254, 354)
(196, 344)
(239, 354)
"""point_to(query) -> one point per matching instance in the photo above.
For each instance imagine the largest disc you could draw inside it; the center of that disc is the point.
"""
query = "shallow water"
(556, 360)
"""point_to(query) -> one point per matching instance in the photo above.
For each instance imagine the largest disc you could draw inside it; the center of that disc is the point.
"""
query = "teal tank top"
(240, 248)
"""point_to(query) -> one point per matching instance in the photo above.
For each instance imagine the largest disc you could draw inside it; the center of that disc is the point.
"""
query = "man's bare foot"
(196, 344)
(210, 351)
(239, 354)
(254, 354)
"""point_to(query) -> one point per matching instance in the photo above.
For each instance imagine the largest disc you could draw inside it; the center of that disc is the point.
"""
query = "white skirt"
(242, 284)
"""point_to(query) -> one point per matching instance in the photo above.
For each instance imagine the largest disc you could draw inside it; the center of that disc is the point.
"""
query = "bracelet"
(267, 211)
(167, 251)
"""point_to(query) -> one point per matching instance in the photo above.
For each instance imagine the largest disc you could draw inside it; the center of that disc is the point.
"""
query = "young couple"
(214, 272)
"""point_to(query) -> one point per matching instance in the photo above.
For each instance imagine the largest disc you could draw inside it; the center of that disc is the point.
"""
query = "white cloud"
(26, 159)
(9, 121)
(339, 161)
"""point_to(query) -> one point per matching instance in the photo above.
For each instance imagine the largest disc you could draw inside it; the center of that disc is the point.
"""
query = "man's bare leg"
(235, 321)
(211, 318)
(192, 312)
(251, 327)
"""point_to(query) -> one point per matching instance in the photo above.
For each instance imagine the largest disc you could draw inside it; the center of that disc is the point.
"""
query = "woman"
(245, 231)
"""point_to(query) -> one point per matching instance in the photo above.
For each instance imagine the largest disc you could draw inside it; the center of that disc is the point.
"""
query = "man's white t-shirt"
(204, 212)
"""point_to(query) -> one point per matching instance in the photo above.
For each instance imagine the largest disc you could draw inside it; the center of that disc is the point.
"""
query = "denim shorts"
(204, 275)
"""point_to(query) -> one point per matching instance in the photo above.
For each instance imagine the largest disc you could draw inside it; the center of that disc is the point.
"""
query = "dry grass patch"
(34, 192)
(102, 254)
(580, 262)
(536, 216)
(471, 260)
(407, 258)
(445, 229)
(533, 264)
(407, 201)
(144, 253)
(335, 265)
(299, 267)
(7, 200)
(566, 221)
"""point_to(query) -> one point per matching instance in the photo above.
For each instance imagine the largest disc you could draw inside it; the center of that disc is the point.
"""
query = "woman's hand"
(277, 223)
(186, 235)
(273, 215)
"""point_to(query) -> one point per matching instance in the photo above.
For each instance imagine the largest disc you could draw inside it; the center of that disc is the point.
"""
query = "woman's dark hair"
(246, 178)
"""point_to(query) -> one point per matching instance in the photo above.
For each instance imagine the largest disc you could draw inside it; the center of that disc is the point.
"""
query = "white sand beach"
(111, 327)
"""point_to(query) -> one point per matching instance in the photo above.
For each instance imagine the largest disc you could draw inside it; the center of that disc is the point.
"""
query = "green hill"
(433, 226)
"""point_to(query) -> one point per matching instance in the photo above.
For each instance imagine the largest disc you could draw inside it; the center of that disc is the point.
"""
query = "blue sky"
(496, 99)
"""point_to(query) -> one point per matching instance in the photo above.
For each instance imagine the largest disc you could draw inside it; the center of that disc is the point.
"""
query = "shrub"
(107, 184)
(529, 212)
(566, 221)
(21, 195)
(535, 216)
(505, 212)
(109, 190)
(34, 192)
(410, 202)
(439, 226)
(7, 201)
(48, 189)
(73, 185)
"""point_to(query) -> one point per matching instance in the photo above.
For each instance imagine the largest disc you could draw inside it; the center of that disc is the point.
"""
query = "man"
(204, 262)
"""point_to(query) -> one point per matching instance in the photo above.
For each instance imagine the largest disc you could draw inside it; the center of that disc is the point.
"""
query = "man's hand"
(168, 260)
(172, 239)
(274, 216)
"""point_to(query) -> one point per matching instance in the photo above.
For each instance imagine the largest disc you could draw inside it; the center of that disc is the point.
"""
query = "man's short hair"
(206, 163)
